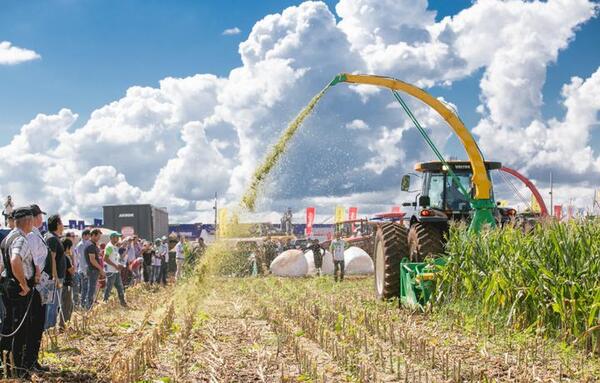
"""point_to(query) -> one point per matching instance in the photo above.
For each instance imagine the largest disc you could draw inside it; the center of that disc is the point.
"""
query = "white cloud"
(561, 145)
(357, 125)
(12, 55)
(176, 144)
(386, 151)
(232, 31)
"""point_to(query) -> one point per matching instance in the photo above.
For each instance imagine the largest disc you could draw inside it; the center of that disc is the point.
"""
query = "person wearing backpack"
(18, 280)
(37, 311)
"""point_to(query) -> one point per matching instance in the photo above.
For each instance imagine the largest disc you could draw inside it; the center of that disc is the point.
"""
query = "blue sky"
(94, 52)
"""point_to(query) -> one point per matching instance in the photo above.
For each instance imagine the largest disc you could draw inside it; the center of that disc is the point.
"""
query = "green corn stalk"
(548, 278)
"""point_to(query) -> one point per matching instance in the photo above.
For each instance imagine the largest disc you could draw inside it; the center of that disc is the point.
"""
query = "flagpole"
(215, 207)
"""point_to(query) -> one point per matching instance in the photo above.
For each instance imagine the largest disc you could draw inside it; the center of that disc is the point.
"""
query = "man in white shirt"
(180, 256)
(337, 247)
(112, 268)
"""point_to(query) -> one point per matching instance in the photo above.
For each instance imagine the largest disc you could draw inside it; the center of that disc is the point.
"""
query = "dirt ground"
(294, 330)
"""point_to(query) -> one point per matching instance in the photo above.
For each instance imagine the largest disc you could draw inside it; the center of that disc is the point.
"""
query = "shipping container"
(145, 221)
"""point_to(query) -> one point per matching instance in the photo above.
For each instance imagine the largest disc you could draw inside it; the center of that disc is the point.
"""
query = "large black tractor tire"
(390, 247)
(425, 241)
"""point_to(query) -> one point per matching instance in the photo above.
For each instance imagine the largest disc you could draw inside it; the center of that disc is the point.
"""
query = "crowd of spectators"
(45, 276)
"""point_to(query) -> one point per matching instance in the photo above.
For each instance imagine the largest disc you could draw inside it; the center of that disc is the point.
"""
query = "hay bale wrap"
(290, 263)
(357, 261)
(327, 268)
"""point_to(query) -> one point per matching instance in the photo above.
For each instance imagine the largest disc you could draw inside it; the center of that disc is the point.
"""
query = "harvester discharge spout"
(399, 272)
(482, 202)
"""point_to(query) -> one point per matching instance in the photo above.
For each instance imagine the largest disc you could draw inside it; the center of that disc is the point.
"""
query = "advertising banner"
(222, 221)
(97, 222)
(352, 214)
(558, 212)
(72, 224)
(535, 206)
(310, 219)
(339, 214)
(127, 231)
(81, 225)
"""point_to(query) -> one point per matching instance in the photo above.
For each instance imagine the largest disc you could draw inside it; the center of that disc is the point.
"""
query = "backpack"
(10, 287)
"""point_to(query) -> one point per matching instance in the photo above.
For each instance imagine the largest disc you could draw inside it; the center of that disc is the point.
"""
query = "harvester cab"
(406, 258)
(440, 200)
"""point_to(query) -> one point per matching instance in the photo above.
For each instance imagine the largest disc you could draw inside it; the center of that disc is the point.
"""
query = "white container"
(357, 261)
(290, 263)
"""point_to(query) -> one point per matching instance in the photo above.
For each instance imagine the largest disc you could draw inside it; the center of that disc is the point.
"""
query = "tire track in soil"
(234, 344)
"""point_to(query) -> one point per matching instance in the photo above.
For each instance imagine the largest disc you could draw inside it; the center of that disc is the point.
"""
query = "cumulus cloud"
(357, 125)
(176, 144)
(12, 55)
(560, 145)
(232, 31)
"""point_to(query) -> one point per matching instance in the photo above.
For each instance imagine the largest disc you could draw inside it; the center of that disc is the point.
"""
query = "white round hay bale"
(357, 261)
(326, 269)
(290, 263)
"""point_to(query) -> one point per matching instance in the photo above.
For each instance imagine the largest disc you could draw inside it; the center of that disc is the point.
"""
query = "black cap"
(22, 212)
(35, 210)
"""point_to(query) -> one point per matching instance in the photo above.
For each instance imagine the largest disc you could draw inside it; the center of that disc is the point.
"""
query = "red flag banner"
(395, 209)
(352, 213)
(310, 219)
(558, 211)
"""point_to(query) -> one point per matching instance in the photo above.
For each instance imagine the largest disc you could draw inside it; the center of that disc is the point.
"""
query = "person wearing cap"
(45, 287)
(112, 268)
(18, 282)
(94, 270)
(80, 280)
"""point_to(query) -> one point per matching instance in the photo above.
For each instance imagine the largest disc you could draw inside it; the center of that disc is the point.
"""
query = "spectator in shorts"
(318, 254)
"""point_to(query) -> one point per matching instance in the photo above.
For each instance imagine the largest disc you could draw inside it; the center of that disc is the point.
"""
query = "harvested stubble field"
(294, 330)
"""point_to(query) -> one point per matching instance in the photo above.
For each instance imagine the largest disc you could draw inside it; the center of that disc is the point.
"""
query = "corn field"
(546, 280)
(509, 307)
